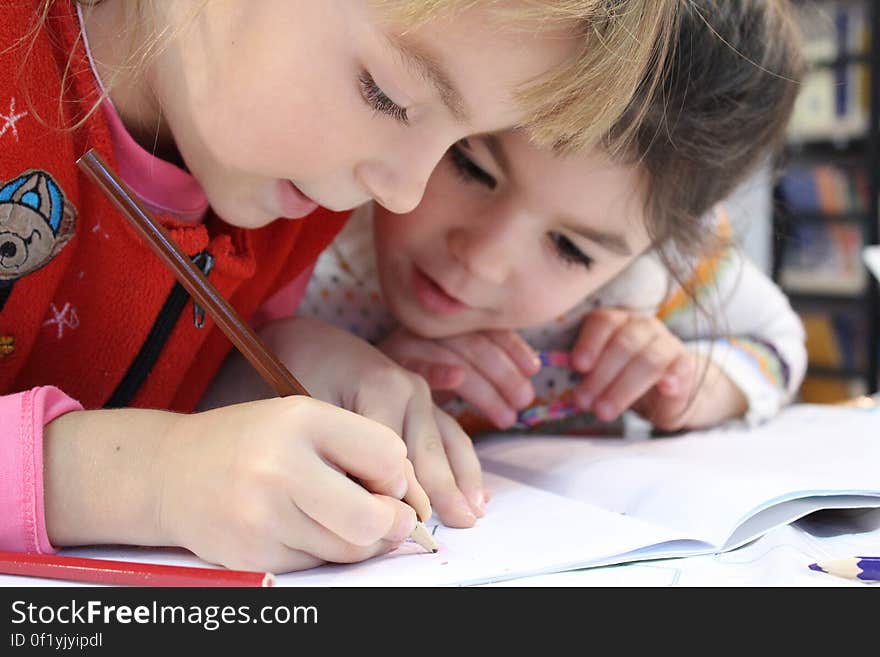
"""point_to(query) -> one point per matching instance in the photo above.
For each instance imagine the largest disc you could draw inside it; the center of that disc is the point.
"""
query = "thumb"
(403, 520)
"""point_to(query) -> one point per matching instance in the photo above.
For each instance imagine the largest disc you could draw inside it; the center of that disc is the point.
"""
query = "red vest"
(84, 304)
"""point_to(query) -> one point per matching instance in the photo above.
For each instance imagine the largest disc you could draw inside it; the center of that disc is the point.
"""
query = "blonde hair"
(613, 78)
(624, 45)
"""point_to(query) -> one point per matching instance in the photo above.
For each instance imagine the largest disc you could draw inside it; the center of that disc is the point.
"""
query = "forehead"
(588, 186)
(490, 57)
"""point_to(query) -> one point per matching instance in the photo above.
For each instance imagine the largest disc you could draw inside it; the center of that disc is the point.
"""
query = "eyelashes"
(378, 101)
(468, 170)
(567, 250)
(471, 173)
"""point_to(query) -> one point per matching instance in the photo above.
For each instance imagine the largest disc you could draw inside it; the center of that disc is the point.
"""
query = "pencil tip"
(433, 550)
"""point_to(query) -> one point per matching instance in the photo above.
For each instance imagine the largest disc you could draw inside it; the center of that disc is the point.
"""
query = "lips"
(432, 297)
(293, 204)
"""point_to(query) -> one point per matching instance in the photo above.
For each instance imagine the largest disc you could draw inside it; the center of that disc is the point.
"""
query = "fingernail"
(583, 360)
(605, 410)
(478, 503)
(534, 363)
(525, 395)
(670, 383)
(400, 488)
(467, 511)
(505, 419)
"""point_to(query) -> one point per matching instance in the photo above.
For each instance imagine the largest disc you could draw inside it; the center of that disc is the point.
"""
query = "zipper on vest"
(155, 341)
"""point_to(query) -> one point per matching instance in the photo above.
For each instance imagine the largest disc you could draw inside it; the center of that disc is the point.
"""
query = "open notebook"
(560, 503)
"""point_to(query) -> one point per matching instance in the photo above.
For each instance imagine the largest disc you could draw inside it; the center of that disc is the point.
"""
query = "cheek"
(421, 231)
(280, 130)
(267, 144)
(392, 233)
(549, 293)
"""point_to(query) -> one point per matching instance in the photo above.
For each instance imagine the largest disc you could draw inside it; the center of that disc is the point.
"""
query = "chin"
(427, 327)
(242, 216)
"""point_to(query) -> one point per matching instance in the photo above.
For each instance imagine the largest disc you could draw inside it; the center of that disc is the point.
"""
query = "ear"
(33, 192)
(67, 227)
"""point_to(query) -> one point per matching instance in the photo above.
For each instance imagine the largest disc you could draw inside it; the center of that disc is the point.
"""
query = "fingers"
(496, 359)
(319, 541)
(427, 451)
(343, 506)
(680, 376)
(596, 329)
(430, 359)
(365, 447)
(520, 351)
(614, 343)
(667, 405)
(482, 395)
(463, 461)
(639, 374)
(416, 496)
(270, 532)
(440, 376)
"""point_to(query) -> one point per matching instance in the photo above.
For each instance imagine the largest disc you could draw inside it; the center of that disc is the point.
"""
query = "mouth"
(432, 297)
(293, 204)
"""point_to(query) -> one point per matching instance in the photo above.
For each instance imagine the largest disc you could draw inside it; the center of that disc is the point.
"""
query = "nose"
(8, 250)
(399, 189)
(397, 180)
(485, 250)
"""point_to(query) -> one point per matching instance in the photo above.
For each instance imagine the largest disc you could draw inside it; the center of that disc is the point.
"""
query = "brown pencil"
(203, 291)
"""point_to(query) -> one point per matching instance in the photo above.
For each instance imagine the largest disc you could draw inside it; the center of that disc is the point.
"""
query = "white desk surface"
(779, 558)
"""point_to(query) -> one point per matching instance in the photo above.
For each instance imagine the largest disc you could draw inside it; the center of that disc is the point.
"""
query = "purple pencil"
(864, 568)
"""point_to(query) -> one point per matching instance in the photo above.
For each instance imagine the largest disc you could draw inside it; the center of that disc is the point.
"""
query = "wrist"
(103, 476)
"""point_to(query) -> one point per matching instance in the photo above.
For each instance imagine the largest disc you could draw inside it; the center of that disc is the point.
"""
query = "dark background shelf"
(835, 372)
(844, 60)
(824, 298)
(862, 150)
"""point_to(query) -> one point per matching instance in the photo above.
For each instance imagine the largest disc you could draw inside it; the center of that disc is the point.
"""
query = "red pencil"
(126, 573)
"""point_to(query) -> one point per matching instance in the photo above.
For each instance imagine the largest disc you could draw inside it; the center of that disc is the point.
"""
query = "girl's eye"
(378, 101)
(567, 250)
(468, 169)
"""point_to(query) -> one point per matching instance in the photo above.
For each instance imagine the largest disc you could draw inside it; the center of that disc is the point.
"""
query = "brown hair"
(723, 105)
(623, 50)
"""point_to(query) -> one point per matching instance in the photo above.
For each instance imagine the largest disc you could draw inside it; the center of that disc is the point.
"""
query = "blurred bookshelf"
(826, 198)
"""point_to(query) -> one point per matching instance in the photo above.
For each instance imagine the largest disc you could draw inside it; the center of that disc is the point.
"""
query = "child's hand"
(632, 360)
(260, 486)
(489, 369)
(340, 368)
(268, 485)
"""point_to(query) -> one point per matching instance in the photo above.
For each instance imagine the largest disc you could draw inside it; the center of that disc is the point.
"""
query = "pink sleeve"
(22, 418)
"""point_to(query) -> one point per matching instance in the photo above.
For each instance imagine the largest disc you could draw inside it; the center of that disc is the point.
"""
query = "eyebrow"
(610, 241)
(432, 70)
